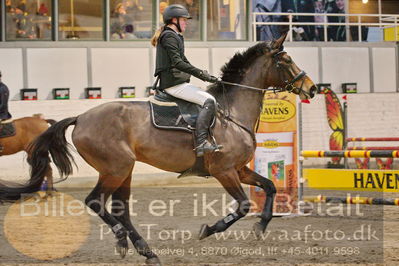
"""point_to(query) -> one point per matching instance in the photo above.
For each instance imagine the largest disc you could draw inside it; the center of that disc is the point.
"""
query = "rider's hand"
(213, 79)
(207, 77)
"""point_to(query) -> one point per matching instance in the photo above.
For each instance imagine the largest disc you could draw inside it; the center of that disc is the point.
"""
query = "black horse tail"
(53, 142)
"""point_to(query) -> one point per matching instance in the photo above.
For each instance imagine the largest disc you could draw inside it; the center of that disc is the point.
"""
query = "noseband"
(289, 85)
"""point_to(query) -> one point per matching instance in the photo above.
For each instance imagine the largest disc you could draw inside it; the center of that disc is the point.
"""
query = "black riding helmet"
(175, 11)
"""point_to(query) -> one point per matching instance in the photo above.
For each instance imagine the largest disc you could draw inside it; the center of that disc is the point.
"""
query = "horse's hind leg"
(96, 201)
(120, 210)
(231, 182)
(248, 176)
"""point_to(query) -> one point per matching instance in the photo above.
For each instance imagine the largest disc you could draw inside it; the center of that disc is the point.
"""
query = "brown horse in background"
(27, 129)
(113, 136)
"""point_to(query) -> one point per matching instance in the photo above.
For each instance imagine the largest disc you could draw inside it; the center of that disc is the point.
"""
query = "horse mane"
(233, 71)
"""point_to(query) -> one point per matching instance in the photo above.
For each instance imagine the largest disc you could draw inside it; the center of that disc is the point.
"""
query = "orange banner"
(276, 155)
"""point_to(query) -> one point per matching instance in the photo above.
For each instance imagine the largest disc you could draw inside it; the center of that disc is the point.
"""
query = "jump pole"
(352, 154)
(371, 139)
(355, 148)
(352, 200)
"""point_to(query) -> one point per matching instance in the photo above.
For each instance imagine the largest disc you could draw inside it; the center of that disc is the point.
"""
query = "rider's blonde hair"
(154, 39)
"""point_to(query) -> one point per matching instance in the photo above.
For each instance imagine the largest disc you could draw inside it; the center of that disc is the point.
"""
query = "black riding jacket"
(172, 65)
(4, 95)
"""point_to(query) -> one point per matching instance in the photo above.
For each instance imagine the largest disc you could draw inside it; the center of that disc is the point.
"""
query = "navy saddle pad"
(7, 129)
(168, 112)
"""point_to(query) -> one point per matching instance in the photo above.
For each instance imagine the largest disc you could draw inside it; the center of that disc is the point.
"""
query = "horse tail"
(53, 142)
(51, 121)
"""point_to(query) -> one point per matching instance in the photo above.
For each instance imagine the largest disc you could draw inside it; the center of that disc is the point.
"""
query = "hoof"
(154, 261)
(258, 229)
(204, 232)
(122, 247)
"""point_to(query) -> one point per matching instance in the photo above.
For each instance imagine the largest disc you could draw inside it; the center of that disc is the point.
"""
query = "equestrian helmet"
(175, 11)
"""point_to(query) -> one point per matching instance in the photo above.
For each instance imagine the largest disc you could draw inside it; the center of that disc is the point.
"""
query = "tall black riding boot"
(202, 128)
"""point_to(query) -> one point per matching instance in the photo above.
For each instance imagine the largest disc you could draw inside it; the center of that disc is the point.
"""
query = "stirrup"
(207, 147)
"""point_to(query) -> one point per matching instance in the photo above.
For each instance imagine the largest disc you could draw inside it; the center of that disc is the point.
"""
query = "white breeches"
(190, 93)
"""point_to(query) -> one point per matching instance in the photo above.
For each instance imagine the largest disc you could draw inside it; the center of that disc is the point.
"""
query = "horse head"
(282, 72)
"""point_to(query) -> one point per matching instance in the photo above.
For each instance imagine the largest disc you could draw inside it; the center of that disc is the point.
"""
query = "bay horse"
(113, 136)
(27, 129)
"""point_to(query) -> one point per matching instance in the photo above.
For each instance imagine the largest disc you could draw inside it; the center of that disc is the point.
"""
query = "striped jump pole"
(352, 154)
(355, 148)
(371, 139)
(352, 200)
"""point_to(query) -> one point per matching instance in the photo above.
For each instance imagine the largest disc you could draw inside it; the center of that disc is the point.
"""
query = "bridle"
(290, 85)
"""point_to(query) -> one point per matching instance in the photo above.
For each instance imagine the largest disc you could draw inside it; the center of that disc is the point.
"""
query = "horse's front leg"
(231, 182)
(249, 177)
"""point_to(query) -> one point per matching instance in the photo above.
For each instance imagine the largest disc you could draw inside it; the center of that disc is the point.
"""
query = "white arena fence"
(384, 21)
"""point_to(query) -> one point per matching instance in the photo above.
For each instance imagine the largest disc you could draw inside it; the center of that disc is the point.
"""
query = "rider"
(174, 72)
(4, 94)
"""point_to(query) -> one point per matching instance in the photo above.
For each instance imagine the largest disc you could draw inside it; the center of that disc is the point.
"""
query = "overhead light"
(365, 1)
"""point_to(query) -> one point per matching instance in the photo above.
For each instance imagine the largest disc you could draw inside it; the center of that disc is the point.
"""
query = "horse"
(27, 129)
(113, 136)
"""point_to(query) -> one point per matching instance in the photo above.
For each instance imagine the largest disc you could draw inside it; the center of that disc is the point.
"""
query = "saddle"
(168, 112)
(7, 128)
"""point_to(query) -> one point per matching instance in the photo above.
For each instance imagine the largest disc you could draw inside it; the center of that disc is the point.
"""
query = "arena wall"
(372, 66)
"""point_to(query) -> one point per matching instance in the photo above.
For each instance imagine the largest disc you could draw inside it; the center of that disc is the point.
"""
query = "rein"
(289, 86)
(251, 88)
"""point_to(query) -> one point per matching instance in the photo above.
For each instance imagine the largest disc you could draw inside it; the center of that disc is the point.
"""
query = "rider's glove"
(204, 75)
